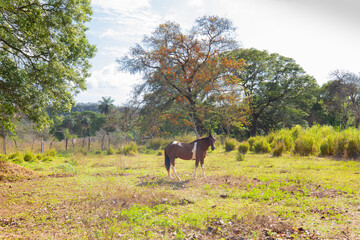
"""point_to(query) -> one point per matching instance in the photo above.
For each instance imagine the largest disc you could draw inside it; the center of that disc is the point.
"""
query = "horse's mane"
(200, 139)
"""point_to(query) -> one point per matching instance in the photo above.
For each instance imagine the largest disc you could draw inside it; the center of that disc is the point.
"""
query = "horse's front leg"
(202, 168)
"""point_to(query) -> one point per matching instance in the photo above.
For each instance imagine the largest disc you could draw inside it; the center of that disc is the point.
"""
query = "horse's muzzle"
(213, 148)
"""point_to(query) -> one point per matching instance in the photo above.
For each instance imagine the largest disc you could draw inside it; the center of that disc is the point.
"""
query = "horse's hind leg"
(173, 167)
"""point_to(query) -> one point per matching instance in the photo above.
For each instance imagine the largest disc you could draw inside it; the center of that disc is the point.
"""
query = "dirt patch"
(267, 227)
(11, 172)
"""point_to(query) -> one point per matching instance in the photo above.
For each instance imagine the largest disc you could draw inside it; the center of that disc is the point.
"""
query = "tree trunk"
(108, 141)
(32, 145)
(72, 142)
(66, 144)
(254, 126)
(83, 145)
(4, 145)
(42, 145)
(102, 142)
(89, 143)
(51, 143)
(16, 146)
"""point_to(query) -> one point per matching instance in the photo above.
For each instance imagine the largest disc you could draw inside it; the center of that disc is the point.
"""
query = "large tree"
(187, 69)
(342, 98)
(278, 90)
(44, 56)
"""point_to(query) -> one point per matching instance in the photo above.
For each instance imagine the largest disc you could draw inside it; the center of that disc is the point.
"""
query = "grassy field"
(129, 197)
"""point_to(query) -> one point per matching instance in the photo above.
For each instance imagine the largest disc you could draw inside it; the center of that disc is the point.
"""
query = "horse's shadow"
(176, 185)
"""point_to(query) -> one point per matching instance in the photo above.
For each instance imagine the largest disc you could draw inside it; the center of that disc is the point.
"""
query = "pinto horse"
(195, 150)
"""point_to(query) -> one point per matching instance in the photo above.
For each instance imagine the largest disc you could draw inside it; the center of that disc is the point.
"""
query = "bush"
(304, 145)
(240, 156)
(352, 149)
(262, 146)
(340, 145)
(130, 149)
(110, 151)
(243, 147)
(15, 155)
(157, 143)
(47, 159)
(29, 157)
(98, 152)
(251, 142)
(278, 149)
(324, 149)
(230, 144)
(3, 158)
(51, 153)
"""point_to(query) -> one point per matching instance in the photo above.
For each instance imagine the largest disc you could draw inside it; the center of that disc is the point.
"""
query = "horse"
(195, 150)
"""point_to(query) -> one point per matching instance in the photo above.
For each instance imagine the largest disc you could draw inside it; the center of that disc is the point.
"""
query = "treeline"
(197, 82)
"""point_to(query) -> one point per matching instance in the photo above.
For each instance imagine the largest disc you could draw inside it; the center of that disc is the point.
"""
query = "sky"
(320, 35)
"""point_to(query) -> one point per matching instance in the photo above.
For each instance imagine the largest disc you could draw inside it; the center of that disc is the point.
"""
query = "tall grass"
(317, 140)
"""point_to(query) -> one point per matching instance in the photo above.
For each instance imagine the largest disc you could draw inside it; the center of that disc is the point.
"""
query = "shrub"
(295, 131)
(244, 147)
(352, 149)
(230, 144)
(3, 158)
(15, 155)
(130, 149)
(262, 146)
(304, 145)
(39, 156)
(279, 149)
(110, 151)
(284, 138)
(51, 153)
(98, 152)
(29, 157)
(340, 145)
(324, 149)
(157, 143)
(251, 142)
(47, 159)
(240, 156)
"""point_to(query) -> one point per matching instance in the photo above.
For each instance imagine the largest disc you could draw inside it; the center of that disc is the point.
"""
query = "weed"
(243, 147)
(240, 156)
(29, 157)
(110, 151)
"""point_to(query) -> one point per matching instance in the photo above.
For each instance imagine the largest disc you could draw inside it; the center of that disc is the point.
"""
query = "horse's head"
(212, 141)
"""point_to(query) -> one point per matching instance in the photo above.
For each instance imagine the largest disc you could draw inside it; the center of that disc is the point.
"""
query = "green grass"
(102, 196)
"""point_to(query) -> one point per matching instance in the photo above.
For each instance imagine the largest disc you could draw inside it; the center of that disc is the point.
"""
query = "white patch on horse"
(178, 143)
(194, 151)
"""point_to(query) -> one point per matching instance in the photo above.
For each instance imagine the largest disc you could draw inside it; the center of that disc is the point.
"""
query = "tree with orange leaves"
(189, 70)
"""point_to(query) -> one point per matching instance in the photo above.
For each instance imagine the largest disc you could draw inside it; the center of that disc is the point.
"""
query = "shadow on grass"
(149, 181)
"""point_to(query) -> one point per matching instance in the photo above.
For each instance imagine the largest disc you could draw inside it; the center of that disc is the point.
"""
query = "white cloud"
(121, 5)
(108, 81)
(195, 3)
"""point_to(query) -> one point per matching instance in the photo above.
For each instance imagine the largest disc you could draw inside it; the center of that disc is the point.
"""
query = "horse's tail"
(167, 161)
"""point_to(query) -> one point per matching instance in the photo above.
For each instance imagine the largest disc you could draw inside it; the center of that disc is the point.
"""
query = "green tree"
(106, 105)
(44, 56)
(279, 91)
(186, 69)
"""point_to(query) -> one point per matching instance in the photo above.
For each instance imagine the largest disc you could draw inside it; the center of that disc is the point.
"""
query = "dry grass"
(118, 197)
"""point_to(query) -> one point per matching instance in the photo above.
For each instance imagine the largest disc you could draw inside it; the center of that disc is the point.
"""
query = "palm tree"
(106, 105)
